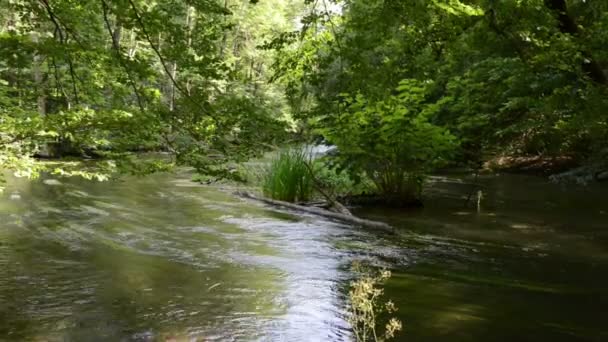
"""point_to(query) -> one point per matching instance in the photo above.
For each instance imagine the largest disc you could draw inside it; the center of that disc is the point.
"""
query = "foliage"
(288, 177)
(104, 79)
(505, 77)
(366, 307)
(390, 140)
(340, 183)
(212, 82)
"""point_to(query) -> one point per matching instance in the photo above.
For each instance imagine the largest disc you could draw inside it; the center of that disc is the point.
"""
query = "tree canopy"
(509, 77)
(400, 87)
(103, 78)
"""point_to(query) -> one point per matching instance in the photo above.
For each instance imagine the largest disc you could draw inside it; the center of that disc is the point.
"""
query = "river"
(161, 258)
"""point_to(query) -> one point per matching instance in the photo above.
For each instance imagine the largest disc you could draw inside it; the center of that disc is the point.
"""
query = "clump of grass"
(366, 306)
(288, 177)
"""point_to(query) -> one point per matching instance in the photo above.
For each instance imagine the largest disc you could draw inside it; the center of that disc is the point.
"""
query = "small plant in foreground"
(366, 305)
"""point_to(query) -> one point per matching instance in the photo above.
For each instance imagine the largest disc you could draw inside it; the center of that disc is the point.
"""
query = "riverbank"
(532, 165)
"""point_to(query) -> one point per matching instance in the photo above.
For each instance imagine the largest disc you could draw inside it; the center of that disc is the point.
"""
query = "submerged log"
(601, 176)
(583, 175)
(321, 212)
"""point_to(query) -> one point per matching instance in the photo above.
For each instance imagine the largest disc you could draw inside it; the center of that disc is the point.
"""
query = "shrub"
(391, 140)
(339, 183)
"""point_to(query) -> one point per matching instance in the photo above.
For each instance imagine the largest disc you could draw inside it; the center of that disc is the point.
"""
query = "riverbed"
(162, 258)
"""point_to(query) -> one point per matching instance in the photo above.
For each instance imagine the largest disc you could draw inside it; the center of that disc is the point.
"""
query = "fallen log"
(339, 207)
(321, 212)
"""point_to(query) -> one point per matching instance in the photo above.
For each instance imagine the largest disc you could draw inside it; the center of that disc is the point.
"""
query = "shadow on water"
(160, 257)
(531, 264)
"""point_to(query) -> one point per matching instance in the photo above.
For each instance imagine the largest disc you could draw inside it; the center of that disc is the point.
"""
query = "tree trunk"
(225, 36)
(39, 78)
(172, 86)
(117, 33)
(132, 45)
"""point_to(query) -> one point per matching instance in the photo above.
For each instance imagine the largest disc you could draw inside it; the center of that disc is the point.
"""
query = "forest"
(399, 87)
(394, 91)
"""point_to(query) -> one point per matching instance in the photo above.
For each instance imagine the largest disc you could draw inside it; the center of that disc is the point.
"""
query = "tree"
(105, 78)
(506, 77)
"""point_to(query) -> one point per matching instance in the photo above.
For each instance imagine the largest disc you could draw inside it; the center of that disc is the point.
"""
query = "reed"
(288, 178)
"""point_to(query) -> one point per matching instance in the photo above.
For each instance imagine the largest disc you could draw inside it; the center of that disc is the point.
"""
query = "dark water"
(160, 258)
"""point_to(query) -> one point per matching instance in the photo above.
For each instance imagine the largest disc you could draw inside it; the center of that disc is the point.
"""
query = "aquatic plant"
(365, 306)
(288, 177)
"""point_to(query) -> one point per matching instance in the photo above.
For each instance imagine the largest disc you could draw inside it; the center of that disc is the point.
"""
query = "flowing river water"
(163, 259)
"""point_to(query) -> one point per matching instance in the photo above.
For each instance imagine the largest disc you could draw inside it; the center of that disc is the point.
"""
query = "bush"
(392, 140)
(288, 177)
(339, 183)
